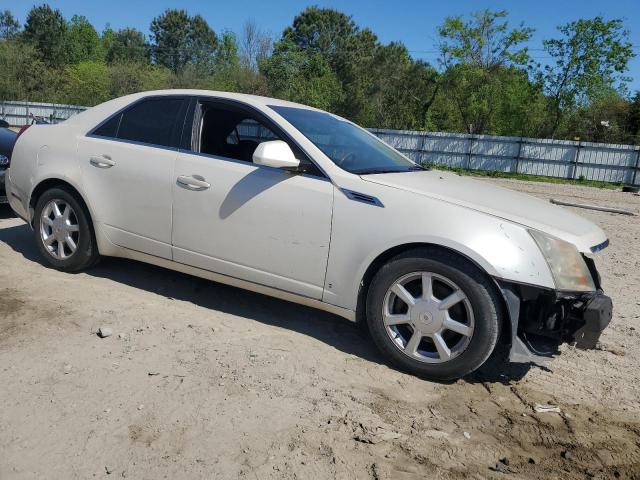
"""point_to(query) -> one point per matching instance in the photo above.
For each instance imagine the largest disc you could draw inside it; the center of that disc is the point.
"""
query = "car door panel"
(131, 197)
(260, 224)
(127, 166)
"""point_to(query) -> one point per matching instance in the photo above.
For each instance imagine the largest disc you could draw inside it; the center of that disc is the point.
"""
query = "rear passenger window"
(110, 128)
(151, 121)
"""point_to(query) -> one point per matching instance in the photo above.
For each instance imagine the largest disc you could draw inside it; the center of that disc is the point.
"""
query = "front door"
(256, 223)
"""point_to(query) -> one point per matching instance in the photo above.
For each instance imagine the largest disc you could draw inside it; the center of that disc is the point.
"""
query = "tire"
(77, 226)
(439, 353)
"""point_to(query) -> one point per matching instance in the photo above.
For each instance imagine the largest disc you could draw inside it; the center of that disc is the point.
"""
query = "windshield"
(349, 146)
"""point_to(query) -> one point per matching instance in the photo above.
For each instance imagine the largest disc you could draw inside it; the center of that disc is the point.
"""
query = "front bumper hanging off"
(595, 318)
(542, 319)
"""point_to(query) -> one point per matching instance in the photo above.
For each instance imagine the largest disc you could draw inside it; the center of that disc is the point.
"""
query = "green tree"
(203, 42)
(299, 75)
(83, 41)
(178, 40)
(126, 45)
(591, 56)
(169, 34)
(127, 77)
(484, 58)
(475, 100)
(226, 55)
(24, 75)
(9, 26)
(483, 41)
(46, 29)
(602, 120)
(355, 68)
(86, 83)
(376, 81)
(322, 30)
(633, 120)
(346, 50)
(402, 91)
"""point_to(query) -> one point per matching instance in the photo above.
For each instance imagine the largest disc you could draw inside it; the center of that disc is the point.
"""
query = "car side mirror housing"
(275, 153)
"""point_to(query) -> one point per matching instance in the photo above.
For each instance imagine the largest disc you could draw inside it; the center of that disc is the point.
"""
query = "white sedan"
(300, 204)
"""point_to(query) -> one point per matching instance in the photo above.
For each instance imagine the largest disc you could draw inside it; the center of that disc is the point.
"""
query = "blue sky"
(413, 22)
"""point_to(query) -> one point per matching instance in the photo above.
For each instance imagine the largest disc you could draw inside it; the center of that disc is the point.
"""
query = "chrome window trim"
(91, 133)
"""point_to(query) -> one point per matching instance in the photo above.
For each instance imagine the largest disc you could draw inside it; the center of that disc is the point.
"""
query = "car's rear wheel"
(64, 233)
(433, 313)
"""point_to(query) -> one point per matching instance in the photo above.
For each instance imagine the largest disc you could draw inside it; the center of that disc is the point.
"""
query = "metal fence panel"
(532, 156)
(21, 113)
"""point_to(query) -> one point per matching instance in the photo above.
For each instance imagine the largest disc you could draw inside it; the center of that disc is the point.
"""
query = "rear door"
(127, 170)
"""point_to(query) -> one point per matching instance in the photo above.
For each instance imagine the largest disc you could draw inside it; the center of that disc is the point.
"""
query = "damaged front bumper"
(542, 319)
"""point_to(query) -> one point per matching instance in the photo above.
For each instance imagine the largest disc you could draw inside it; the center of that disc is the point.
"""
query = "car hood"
(500, 202)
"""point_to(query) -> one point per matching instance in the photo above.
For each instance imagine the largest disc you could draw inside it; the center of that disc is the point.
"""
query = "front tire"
(433, 313)
(64, 233)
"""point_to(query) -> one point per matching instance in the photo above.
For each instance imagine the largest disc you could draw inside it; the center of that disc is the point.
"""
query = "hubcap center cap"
(59, 229)
(426, 317)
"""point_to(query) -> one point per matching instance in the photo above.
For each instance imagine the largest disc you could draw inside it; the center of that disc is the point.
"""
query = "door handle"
(103, 161)
(195, 182)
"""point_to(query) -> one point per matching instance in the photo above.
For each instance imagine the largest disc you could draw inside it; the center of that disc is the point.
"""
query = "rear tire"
(433, 314)
(64, 232)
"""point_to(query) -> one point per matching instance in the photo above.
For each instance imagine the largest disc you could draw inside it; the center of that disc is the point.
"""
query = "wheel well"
(55, 183)
(384, 257)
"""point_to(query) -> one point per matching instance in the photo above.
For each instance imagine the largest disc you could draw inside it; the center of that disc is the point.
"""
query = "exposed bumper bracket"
(578, 318)
(519, 352)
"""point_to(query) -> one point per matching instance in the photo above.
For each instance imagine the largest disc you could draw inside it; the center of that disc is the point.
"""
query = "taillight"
(22, 130)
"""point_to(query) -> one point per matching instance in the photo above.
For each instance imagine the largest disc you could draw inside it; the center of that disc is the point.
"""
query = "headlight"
(4, 161)
(567, 266)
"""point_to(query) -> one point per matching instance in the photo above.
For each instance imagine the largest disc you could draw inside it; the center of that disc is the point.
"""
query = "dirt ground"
(201, 380)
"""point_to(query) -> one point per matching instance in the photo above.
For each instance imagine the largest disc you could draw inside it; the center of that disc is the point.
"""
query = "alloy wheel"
(428, 317)
(59, 229)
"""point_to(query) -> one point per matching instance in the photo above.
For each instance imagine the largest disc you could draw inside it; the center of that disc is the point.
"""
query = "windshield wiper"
(372, 171)
(377, 170)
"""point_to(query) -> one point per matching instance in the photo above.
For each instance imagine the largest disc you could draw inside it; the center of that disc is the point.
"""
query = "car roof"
(243, 97)
(94, 115)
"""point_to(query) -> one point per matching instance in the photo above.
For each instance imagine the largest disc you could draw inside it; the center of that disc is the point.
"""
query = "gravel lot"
(201, 380)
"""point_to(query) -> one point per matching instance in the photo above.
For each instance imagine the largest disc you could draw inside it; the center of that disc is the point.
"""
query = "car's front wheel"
(64, 233)
(433, 313)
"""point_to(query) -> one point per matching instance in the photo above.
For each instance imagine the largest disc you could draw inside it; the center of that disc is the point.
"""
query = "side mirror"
(275, 153)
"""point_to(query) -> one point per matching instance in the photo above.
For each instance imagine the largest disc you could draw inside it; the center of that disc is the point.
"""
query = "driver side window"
(230, 131)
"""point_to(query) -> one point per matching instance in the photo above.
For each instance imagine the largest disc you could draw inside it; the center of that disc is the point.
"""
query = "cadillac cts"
(294, 202)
